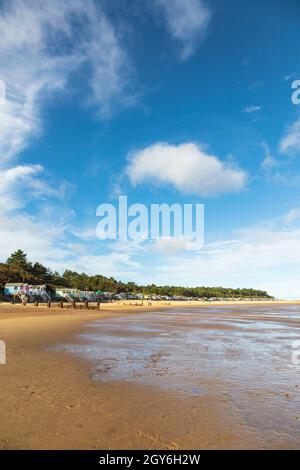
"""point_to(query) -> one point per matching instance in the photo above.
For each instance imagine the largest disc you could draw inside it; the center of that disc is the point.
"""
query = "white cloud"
(269, 162)
(40, 46)
(252, 109)
(50, 245)
(187, 167)
(41, 240)
(187, 22)
(86, 233)
(112, 264)
(169, 246)
(22, 183)
(18, 173)
(111, 68)
(292, 216)
(264, 257)
(290, 142)
(12, 183)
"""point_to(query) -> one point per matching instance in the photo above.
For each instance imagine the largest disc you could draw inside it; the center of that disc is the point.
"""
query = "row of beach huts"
(45, 293)
(22, 292)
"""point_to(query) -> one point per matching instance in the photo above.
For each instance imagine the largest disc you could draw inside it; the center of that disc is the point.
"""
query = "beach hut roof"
(14, 284)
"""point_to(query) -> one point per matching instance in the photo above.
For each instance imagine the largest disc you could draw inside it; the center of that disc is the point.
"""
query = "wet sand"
(212, 377)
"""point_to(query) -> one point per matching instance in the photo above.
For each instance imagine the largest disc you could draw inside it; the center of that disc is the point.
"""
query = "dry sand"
(48, 400)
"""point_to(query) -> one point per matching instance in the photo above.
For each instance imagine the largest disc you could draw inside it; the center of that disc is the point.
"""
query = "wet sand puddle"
(243, 353)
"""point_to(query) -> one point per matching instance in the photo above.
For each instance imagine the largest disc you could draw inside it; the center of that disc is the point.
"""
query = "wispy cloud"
(187, 22)
(13, 178)
(290, 142)
(186, 167)
(292, 216)
(269, 162)
(23, 183)
(40, 46)
(57, 246)
(23, 231)
(265, 256)
(252, 109)
(258, 256)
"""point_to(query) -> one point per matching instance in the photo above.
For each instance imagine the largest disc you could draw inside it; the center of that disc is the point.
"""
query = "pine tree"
(18, 259)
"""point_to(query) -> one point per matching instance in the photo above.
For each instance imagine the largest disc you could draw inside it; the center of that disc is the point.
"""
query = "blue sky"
(165, 101)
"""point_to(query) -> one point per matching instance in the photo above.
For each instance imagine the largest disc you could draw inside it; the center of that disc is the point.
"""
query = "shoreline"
(128, 304)
(49, 400)
(125, 307)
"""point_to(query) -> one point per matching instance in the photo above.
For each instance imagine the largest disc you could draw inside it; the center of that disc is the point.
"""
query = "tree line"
(18, 268)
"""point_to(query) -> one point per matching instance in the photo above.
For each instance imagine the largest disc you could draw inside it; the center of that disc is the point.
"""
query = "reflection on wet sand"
(243, 353)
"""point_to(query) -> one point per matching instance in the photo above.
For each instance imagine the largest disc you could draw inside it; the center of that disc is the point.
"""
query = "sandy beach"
(51, 400)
